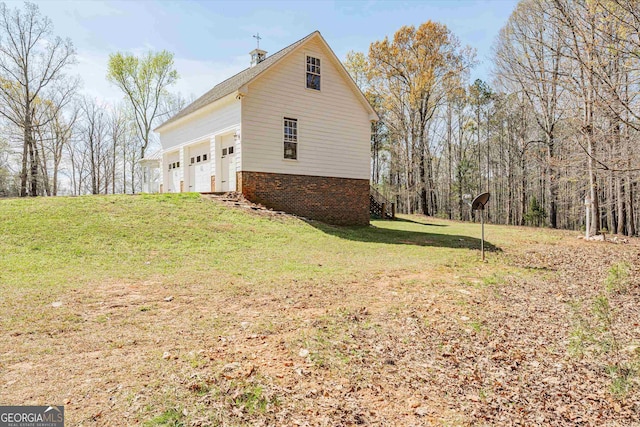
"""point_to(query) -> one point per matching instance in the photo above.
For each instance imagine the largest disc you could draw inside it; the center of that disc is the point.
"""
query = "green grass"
(617, 279)
(49, 245)
(169, 418)
(60, 242)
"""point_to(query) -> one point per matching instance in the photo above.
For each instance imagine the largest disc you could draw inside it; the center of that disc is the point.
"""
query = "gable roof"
(237, 81)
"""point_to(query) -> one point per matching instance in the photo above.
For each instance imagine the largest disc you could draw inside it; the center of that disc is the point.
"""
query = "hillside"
(177, 310)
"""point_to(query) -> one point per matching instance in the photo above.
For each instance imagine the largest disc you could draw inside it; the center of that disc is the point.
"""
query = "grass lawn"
(178, 310)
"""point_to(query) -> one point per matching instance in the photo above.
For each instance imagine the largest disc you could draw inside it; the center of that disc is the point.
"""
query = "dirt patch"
(238, 201)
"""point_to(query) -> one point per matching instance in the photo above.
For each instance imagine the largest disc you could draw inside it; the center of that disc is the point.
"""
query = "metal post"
(478, 204)
(482, 241)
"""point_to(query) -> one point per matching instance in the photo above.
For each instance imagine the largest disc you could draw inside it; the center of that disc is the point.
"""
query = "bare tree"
(528, 54)
(31, 61)
(118, 135)
(93, 133)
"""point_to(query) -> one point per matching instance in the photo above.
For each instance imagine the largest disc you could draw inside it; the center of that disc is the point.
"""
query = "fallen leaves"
(393, 350)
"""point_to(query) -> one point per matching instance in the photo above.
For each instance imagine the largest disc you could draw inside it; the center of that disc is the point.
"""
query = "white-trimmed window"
(290, 138)
(313, 73)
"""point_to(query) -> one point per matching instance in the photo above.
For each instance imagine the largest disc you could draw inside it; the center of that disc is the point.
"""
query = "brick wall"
(342, 201)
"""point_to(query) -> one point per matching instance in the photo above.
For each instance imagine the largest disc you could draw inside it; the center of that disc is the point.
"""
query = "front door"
(227, 164)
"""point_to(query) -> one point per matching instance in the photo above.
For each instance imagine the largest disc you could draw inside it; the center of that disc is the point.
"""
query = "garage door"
(228, 164)
(200, 172)
(174, 177)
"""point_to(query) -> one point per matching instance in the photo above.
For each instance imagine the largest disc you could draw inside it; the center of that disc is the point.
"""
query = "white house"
(291, 132)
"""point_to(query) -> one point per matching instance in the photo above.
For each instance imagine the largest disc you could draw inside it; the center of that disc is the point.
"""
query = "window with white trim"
(290, 138)
(313, 73)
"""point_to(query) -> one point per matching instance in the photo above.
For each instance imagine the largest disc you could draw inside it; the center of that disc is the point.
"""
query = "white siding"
(221, 115)
(333, 124)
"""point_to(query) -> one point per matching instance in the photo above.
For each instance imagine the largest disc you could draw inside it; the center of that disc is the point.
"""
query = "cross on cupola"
(257, 55)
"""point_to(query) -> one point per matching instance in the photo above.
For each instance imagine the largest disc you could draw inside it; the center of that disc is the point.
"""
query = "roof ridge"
(248, 68)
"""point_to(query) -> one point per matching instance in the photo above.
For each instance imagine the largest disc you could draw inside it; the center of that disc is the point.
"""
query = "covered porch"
(203, 166)
(151, 173)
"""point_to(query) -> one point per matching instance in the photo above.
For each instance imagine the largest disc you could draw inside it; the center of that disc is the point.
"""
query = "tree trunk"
(113, 169)
(479, 149)
(523, 194)
(56, 166)
(631, 225)
(23, 171)
(552, 182)
(33, 158)
(620, 199)
(449, 160)
(133, 179)
(593, 188)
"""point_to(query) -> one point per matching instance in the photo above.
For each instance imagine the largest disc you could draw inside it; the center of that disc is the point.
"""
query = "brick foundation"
(341, 201)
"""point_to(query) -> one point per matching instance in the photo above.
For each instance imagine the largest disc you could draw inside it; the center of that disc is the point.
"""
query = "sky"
(211, 40)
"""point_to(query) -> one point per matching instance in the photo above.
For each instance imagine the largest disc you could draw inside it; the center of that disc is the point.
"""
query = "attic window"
(313, 73)
(290, 138)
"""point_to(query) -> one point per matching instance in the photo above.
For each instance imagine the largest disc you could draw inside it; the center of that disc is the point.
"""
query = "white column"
(217, 151)
(161, 174)
(212, 155)
(145, 178)
(238, 149)
(182, 185)
(235, 163)
(165, 173)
